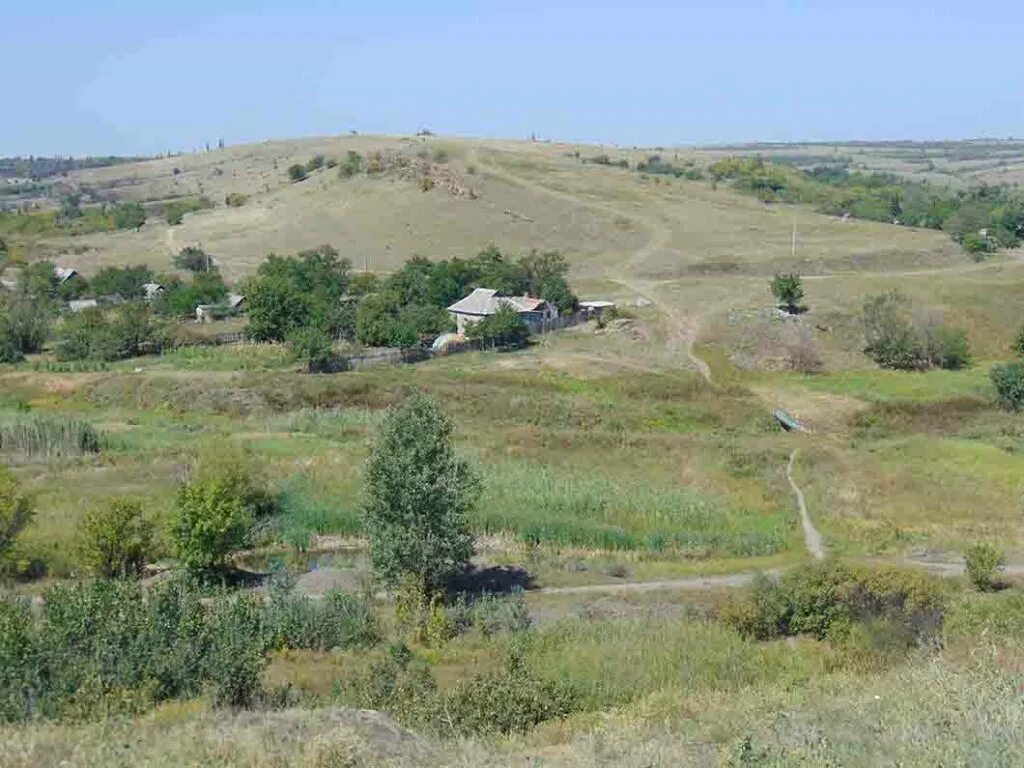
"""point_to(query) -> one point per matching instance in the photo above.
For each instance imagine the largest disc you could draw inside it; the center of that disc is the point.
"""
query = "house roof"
(486, 301)
(479, 302)
(525, 303)
(235, 299)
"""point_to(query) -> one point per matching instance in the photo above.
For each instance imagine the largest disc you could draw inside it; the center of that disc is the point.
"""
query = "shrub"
(827, 599)
(297, 173)
(897, 340)
(338, 620)
(788, 290)
(16, 512)
(350, 165)
(315, 163)
(802, 352)
(237, 656)
(236, 199)
(1008, 379)
(174, 211)
(116, 539)
(417, 494)
(1018, 343)
(509, 701)
(126, 282)
(983, 562)
(426, 183)
(493, 614)
(130, 216)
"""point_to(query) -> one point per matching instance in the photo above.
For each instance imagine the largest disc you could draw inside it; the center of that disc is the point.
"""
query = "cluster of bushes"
(606, 160)
(73, 218)
(236, 199)
(656, 165)
(300, 171)
(831, 600)
(24, 326)
(508, 700)
(174, 211)
(110, 646)
(981, 219)
(128, 330)
(897, 337)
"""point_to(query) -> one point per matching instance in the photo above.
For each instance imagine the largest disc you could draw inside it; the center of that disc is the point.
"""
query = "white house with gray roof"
(486, 301)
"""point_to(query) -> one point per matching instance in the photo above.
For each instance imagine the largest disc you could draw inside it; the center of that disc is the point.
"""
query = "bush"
(509, 701)
(1008, 379)
(116, 539)
(417, 493)
(897, 340)
(129, 331)
(351, 165)
(236, 199)
(174, 212)
(983, 562)
(337, 620)
(828, 599)
(107, 647)
(297, 173)
(802, 351)
(126, 282)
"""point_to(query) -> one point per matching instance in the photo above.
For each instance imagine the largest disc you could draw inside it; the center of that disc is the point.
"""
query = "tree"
(1008, 380)
(546, 276)
(312, 345)
(504, 329)
(16, 511)
(24, 324)
(115, 539)
(276, 308)
(126, 282)
(211, 521)
(417, 493)
(130, 216)
(788, 290)
(193, 259)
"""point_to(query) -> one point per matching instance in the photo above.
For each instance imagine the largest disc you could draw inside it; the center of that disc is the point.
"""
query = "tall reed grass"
(45, 436)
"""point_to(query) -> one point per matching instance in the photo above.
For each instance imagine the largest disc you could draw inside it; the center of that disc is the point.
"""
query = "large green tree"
(416, 497)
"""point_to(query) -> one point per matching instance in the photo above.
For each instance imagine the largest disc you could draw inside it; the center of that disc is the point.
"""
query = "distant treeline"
(41, 167)
(982, 219)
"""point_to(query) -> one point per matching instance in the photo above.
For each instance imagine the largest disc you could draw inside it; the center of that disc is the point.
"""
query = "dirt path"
(729, 580)
(812, 539)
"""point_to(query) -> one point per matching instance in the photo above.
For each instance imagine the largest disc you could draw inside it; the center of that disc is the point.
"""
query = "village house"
(536, 313)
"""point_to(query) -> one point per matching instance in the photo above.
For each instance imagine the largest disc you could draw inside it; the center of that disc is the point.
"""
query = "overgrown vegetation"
(834, 601)
(899, 338)
(982, 219)
(175, 211)
(35, 436)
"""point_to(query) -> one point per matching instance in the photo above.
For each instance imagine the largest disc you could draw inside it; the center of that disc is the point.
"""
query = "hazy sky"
(140, 76)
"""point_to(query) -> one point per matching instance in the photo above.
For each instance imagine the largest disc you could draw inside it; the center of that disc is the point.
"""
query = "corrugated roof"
(479, 302)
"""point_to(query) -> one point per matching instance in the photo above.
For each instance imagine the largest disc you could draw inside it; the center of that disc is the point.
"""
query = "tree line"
(982, 219)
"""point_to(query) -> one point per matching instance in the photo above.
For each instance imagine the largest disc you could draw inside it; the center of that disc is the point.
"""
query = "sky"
(146, 77)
